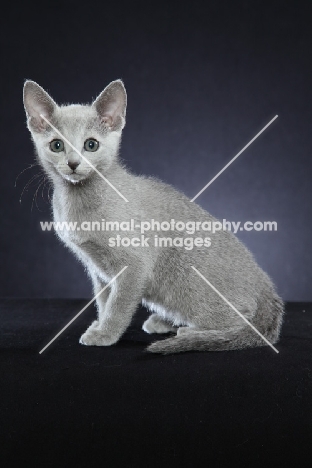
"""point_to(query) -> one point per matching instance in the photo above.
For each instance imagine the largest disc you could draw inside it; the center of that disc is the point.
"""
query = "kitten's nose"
(73, 164)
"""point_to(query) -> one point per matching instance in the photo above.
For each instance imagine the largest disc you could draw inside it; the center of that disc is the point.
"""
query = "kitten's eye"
(57, 146)
(91, 144)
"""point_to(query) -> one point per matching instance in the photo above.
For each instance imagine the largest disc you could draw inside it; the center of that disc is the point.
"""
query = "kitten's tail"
(216, 340)
(208, 340)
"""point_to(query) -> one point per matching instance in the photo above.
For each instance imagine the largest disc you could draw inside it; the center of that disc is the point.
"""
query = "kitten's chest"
(68, 223)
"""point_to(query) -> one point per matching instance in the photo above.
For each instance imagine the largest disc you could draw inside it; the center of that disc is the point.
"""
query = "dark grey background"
(202, 79)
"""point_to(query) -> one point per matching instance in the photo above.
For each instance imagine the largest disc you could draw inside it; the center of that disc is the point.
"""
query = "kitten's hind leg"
(155, 324)
(188, 330)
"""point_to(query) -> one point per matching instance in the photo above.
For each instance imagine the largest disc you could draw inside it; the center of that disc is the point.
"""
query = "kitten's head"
(94, 130)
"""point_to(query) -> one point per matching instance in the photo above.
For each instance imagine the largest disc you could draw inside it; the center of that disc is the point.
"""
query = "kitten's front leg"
(101, 300)
(120, 307)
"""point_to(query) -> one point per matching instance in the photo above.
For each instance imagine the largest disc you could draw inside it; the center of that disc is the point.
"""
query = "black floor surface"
(119, 406)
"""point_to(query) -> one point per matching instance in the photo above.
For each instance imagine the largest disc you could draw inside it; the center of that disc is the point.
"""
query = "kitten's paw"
(94, 324)
(95, 337)
(155, 324)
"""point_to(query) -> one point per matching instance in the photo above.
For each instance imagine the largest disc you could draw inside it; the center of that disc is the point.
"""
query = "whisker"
(34, 177)
(50, 188)
(26, 169)
(43, 187)
(41, 181)
(46, 184)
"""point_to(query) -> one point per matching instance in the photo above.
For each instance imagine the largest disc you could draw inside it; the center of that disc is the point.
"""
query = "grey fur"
(161, 278)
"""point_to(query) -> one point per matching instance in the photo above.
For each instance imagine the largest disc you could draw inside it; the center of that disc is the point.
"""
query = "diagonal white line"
(84, 158)
(234, 308)
(82, 310)
(232, 160)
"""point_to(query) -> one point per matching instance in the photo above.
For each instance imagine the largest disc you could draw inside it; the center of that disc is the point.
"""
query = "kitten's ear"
(36, 102)
(111, 105)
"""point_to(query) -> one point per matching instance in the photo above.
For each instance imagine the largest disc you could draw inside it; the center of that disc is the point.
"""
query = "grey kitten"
(162, 279)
